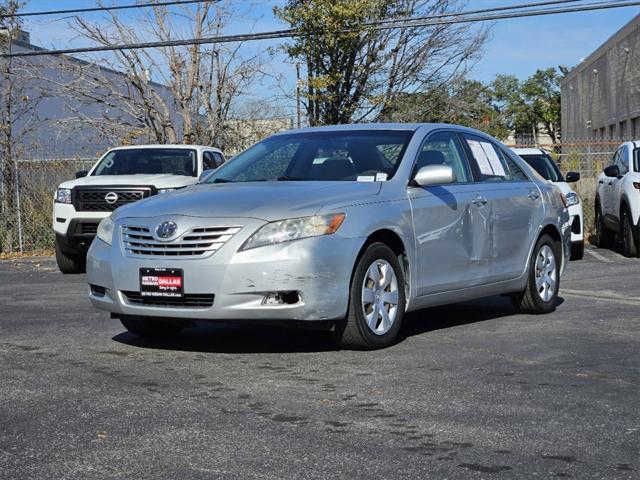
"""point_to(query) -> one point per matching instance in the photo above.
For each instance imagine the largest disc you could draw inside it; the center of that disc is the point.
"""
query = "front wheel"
(604, 237)
(543, 283)
(376, 301)
(68, 263)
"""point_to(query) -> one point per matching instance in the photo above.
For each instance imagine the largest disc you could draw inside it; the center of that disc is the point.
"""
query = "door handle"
(479, 201)
(533, 195)
(601, 181)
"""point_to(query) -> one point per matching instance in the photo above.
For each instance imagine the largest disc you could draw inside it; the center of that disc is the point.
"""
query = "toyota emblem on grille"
(166, 229)
(111, 198)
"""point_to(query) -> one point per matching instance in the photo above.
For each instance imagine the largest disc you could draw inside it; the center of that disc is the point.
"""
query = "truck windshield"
(545, 166)
(319, 156)
(149, 161)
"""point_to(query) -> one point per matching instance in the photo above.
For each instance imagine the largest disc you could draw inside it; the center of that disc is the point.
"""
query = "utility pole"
(298, 93)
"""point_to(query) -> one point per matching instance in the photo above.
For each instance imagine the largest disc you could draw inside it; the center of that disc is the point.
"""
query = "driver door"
(444, 217)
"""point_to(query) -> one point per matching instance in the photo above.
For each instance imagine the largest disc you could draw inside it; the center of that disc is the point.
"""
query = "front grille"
(196, 242)
(95, 199)
(189, 300)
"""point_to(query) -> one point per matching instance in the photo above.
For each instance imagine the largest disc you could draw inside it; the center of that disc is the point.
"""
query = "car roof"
(383, 126)
(529, 151)
(167, 145)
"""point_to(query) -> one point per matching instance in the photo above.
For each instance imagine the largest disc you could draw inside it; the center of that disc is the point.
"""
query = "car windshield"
(321, 156)
(545, 166)
(144, 161)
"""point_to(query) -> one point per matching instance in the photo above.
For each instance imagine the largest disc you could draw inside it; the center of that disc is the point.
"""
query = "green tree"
(465, 102)
(355, 71)
(532, 106)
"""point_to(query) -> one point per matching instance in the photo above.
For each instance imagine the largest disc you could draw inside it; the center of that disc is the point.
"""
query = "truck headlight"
(63, 195)
(105, 230)
(294, 229)
(572, 199)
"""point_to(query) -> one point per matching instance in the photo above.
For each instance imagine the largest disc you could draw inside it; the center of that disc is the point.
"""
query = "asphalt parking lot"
(471, 391)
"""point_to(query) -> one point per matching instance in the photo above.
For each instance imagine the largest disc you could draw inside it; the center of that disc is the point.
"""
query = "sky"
(517, 46)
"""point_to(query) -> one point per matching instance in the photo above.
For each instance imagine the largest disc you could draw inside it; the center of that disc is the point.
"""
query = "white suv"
(542, 163)
(617, 205)
(123, 175)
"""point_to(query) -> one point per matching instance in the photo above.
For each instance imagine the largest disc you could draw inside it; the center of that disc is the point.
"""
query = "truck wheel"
(69, 263)
(150, 327)
(376, 301)
(544, 279)
(577, 250)
(604, 237)
(629, 236)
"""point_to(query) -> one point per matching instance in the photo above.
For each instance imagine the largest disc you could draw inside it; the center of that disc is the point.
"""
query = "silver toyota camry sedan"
(349, 227)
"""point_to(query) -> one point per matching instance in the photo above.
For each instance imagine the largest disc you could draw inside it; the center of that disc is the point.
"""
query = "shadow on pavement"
(253, 338)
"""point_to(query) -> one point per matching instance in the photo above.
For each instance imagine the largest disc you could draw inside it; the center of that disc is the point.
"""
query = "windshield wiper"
(287, 178)
(222, 180)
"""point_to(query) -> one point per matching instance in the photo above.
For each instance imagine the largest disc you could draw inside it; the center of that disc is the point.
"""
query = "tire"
(537, 299)
(355, 332)
(604, 237)
(150, 327)
(629, 237)
(577, 250)
(69, 263)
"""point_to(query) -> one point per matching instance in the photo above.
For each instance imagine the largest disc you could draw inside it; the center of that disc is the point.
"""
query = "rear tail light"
(564, 200)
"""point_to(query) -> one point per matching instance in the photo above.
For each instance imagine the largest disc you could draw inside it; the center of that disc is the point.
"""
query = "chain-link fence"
(26, 198)
(27, 188)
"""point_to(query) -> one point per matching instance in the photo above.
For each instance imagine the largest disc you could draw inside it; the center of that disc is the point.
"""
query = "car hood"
(263, 200)
(164, 180)
(563, 186)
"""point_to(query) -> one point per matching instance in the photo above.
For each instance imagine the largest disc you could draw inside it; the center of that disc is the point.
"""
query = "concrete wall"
(601, 96)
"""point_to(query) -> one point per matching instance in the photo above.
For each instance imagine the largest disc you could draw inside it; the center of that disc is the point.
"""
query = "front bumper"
(318, 269)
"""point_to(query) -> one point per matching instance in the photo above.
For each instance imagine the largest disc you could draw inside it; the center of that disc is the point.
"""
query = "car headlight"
(294, 229)
(166, 190)
(63, 195)
(105, 230)
(572, 199)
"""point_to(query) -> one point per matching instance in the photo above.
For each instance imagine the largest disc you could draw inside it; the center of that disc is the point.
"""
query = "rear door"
(515, 206)
(444, 216)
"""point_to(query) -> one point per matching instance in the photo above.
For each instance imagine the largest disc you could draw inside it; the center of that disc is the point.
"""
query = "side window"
(492, 164)
(517, 174)
(219, 159)
(208, 163)
(443, 148)
(616, 157)
(623, 160)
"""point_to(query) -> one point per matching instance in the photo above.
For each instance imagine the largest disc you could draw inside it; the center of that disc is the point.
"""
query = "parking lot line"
(597, 256)
(607, 296)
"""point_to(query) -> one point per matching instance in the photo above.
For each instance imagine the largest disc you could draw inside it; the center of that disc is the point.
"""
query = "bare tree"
(18, 108)
(203, 83)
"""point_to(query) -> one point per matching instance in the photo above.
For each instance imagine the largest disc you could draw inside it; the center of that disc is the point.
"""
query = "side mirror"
(434, 175)
(572, 177)
(82, 173)
(612, 171)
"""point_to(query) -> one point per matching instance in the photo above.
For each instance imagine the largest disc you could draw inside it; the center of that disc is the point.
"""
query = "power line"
(380, 25)
(104, 9)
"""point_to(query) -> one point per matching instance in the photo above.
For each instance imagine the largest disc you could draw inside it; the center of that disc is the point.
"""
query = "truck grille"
(107, 199)
(189, 300)
(196, 242)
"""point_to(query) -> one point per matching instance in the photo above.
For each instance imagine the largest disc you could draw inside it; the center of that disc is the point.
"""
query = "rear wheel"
(376, 301)
(544, 279)
(150, 327)
(629, 236)
(69, 263)
(604, 236)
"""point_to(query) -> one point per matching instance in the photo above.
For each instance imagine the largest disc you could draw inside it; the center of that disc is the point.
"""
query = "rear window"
(146, 161)
(545, 166)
